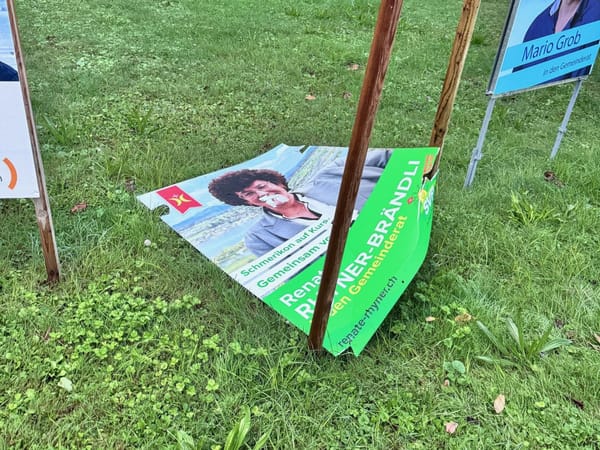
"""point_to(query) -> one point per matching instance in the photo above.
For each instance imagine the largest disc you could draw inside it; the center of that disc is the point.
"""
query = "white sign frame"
(19, 149)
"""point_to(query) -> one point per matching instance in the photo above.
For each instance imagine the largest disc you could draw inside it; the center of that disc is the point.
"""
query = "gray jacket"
(272, 230)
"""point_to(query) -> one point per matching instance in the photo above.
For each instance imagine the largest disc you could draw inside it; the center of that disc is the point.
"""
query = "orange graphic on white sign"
(13, 173)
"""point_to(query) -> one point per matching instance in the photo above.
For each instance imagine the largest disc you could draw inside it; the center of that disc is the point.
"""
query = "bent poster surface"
(546, 42)
(17, 169)
(266, 223)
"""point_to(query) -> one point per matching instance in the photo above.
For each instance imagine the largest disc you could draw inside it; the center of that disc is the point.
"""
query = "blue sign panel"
(546, 42)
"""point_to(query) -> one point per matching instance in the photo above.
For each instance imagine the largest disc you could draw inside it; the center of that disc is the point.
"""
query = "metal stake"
(563, 126)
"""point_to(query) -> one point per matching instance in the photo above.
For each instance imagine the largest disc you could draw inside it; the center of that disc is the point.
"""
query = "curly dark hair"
(225, 187)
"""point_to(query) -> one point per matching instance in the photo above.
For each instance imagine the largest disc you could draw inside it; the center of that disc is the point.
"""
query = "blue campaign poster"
(546, 42)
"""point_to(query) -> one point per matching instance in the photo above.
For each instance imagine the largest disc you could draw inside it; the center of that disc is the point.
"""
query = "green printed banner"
(267, 222)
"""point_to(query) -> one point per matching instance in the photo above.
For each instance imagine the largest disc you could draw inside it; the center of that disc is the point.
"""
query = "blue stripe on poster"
(549, 46)
(546, 71)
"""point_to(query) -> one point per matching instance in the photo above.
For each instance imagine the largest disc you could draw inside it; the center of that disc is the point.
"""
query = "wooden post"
(379, 57)
(42, 204)
(464, 33)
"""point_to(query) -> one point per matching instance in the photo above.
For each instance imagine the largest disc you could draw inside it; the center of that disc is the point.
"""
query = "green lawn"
(157, 342)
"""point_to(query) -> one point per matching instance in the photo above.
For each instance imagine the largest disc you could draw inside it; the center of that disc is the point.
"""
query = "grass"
(162, 350)
(519, 349)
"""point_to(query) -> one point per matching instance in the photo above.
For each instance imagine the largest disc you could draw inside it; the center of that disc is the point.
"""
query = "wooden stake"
(42, 204)
(464, 33)
(379, 57)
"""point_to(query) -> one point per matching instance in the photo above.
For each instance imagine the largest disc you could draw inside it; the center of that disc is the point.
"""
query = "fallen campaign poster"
(18, 177)
(266, 223)
(546, 42)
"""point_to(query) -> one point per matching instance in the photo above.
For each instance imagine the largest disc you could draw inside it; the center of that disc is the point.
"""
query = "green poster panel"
(232, 215)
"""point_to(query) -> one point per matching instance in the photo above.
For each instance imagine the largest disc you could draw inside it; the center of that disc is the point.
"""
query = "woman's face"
(266, 195)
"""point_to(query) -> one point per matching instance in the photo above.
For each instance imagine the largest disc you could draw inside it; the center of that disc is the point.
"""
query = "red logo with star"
(179, 199)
